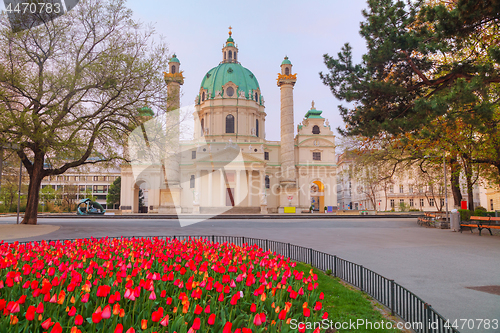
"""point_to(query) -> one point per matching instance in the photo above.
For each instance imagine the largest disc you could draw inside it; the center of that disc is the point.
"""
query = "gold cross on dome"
(230, 32)
(312, 105)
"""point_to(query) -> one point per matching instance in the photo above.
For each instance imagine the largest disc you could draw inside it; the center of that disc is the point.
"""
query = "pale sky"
(264, 31)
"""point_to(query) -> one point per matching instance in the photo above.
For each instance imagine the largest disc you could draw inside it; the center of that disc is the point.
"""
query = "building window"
(202, 123)
(193, 154)
(287, 71)
(230, 55)
(491, 204)
(401, 189)
(257, 127)
(100, 189)
(203, 96)
(442, 202)
(420, 189)
(267, 182)
(392, 203)
(230, 91)
(173, 69)
(266, 155)
(224, 55)
(191, 182)
(391, 188)
(411, 203)
(229, 123)
(401, 201)
(410, 189)
(421, 202)
(96, 178)
(316, 156)
(257, 97)
(315, 129)
(235, 55)
(81, 188)
(431, 202)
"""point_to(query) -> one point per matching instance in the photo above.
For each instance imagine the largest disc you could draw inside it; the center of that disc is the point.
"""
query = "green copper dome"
(174, 59)
(286, 61)
(145, 112)
(225, 72)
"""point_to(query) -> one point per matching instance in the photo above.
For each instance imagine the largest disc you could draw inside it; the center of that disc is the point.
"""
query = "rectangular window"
(193, 155)
(100, 188)
(96, 178)
(442, 202)
(316, 156)
(81, 188)
(89, 188)
(192, 181)
(266, 155)
(392, 203)
(401, 189)
(420, 189)
(410, 189)
(59, 187)
(421, 202)
(431, 202)
(401, 201)
(491, 204)
(391, 188)
(411, 202)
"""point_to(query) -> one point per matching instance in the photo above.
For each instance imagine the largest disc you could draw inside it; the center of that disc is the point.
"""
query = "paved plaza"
(437, 265)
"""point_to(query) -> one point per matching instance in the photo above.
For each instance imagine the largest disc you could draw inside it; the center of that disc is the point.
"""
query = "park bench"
(429, 219)
(481, 222)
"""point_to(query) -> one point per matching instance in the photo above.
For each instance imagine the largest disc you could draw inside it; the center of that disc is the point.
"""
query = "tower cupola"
(230, 51)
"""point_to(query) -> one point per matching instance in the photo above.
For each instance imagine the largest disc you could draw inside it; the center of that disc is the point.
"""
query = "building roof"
(145, 112)
(286, 61)
(226, 72)
(174, 59)
(313, 113)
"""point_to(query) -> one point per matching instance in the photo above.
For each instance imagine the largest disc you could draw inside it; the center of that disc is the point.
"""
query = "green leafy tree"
(70, 89)
(48, 194)
(141, 198)
(114, 191)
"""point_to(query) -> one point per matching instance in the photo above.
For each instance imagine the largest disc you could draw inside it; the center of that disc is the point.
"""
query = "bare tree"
(70, 88)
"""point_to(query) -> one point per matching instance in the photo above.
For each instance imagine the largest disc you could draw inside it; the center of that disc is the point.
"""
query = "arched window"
(234, 55)
(230, 123)
(267, 182)
(224, 55)
(287, 71)
(230, 55)
(173, 69)
(257, 97)
(230, 91)
(257, 127)
(202, 122)
(203, 97)
(315, 129)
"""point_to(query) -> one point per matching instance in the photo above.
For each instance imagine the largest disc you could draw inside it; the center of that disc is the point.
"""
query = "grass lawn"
(344, 304)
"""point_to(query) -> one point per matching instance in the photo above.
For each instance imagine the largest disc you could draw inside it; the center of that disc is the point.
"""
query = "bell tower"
(288, 181)
(170, 197)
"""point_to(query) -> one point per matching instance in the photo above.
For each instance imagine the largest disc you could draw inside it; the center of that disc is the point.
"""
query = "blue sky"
(265, 31)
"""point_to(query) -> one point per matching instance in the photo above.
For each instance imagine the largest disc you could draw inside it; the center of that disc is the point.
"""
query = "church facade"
(229, 165)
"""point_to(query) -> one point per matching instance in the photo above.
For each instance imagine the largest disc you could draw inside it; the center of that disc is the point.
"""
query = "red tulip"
(282, 315)
(39, 308)
(97, 316)
(30, 313)
(321, 295)
(85, 298)
(196, 324)
(211, 319)
(56, 329)
(72, 311)
(256, 320)
(306, 312)
(119, 328)
(253, 307)
(325, 315)
(106, 313)
(47, 323)
(78, 320)
(227, 327)
(164, 321)
(130, 330)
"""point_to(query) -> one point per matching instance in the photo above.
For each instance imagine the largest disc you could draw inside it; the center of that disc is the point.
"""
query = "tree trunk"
(31, 215)
(470, 191)
(455, 183)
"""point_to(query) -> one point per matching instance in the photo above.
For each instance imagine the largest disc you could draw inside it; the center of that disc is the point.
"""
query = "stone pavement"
(437, 265)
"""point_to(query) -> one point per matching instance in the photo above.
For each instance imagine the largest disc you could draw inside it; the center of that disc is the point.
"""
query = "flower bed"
(152, 285)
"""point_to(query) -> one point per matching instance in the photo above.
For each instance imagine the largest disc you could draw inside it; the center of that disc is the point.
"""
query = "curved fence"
(398, 299)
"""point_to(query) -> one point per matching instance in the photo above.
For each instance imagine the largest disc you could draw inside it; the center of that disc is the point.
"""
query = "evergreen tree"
(114, 191)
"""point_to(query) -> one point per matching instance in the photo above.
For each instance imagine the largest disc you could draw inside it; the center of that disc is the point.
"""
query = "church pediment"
(229, 155)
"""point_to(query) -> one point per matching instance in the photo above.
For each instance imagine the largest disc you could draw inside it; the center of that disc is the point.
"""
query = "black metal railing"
(401, 302)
